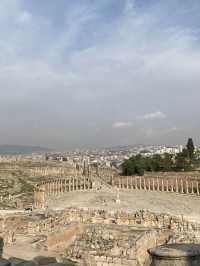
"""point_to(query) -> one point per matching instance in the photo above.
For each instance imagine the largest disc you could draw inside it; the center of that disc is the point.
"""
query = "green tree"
(190, 148)
(182, 162)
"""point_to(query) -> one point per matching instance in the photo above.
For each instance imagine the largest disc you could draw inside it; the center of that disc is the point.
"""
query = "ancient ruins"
(94, 216)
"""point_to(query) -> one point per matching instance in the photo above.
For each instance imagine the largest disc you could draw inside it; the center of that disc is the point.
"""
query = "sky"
(90, 73)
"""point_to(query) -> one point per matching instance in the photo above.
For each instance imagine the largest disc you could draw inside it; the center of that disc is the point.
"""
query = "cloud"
(154, 116)
(60, 69)
(122, 124)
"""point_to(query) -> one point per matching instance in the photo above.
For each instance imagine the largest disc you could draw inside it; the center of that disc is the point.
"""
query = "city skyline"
(99, 73)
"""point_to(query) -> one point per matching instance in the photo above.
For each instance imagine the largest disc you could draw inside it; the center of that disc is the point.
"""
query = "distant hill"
(21, 149)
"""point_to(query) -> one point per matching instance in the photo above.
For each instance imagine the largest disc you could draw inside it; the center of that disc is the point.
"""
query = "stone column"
(69, 184)
(172, 185)
(167, 185)
(59, 185)
(197, 187)
(132, 182)
(153, 185)
(75, 183)
(182, 191)
(89, 182)
(175, 254)
(158, 185)
(49, 188)
(149, 184)
(65, 185)
(144, 183)
(55, 187)
(187, 190)
(35, 198)
(111, 180)
(127, 184)
(62, 185)
(177, 186)
(163, 188)
(124, 183)
(84, 187)
(52, 187)
(192, 184)
(43, 199)
(136, 185)
(140, 183)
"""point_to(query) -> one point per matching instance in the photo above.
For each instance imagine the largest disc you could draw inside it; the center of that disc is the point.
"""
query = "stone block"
(4, 262)
(40, 260)
(15, 261)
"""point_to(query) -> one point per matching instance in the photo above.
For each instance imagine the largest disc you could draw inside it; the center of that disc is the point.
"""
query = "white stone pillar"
(55, 187)
(59, 187)
(144, 183)
(140, 183)
(136, 185)
(153, 185)
(177, 186)
(149, 184)
(163, 188)
(172, 185)
(192, 184)
(84, 187)
(187, 190)
(197, 187)
(52, 187)
(132, 182)
(182, 191)
(167, 185)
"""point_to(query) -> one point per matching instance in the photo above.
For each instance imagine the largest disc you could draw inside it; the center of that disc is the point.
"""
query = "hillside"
(21, 149)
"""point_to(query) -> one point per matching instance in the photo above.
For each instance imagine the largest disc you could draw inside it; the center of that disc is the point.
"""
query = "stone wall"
(144, 218)
(109, 238)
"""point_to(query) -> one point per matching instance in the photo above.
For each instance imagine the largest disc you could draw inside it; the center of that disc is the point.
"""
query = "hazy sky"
(86, 73)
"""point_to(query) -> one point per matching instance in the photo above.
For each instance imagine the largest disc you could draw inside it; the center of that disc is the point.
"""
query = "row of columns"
(51, 171)
(39, 198)
(158, 184)
(58, 187)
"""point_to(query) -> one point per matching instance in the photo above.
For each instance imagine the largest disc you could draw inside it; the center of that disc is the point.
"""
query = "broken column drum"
(175, 255)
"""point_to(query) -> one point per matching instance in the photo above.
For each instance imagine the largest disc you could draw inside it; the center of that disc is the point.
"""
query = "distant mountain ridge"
(7, 149)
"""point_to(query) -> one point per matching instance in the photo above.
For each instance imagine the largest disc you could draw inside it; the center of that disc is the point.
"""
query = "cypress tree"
(190, 148)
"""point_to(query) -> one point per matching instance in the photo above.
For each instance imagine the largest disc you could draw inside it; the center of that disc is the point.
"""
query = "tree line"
(187, 160)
